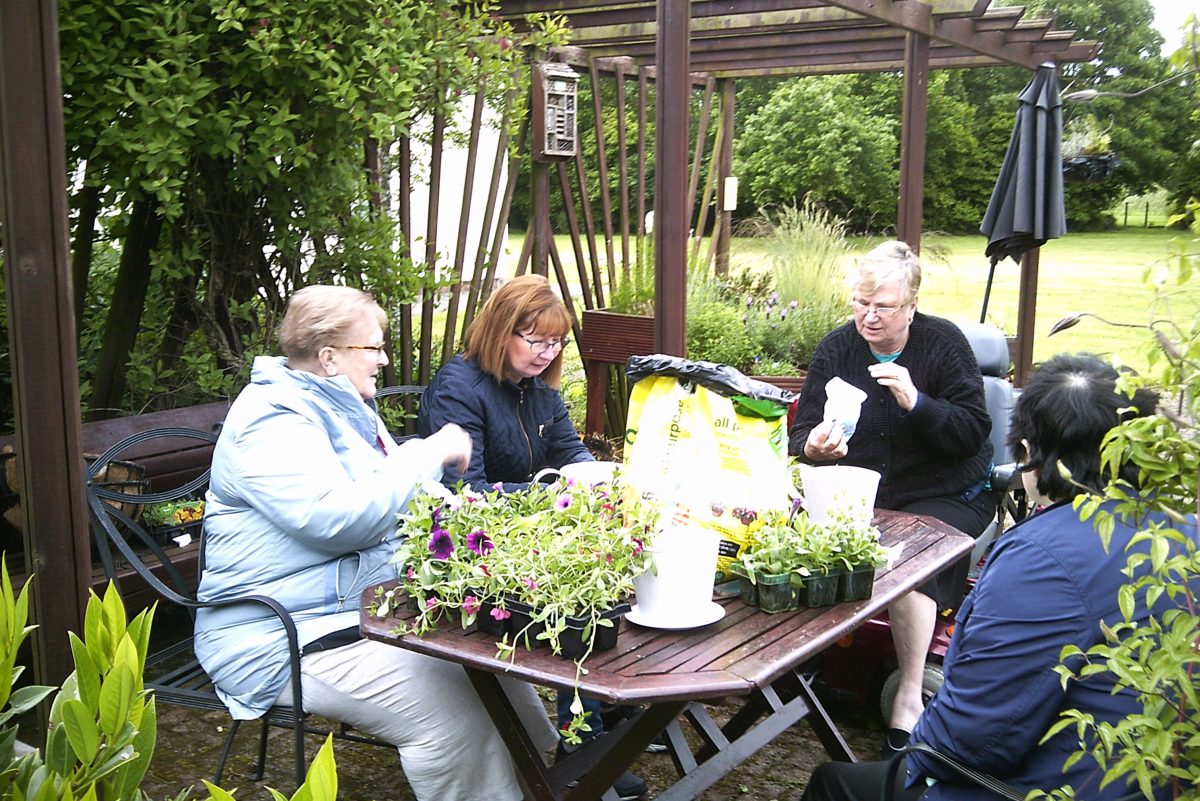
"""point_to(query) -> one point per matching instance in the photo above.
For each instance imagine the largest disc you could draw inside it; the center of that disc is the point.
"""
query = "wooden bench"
(163, 466)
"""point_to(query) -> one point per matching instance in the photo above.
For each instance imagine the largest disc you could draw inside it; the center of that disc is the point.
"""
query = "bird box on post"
(555, 108)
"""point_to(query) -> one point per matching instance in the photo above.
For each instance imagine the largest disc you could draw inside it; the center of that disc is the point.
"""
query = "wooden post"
(1026, 308)
(725, 170)
(913, 126)
(41, 330)
(671, 213)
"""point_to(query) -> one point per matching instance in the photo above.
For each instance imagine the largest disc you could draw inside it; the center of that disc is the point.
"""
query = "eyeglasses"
(543, 345)
(377, 348)
(880, 311)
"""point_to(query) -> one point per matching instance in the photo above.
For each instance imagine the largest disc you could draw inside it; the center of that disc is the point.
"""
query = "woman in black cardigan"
(923, 427)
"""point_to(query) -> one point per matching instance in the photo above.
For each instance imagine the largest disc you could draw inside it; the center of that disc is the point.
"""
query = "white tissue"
(843, 404)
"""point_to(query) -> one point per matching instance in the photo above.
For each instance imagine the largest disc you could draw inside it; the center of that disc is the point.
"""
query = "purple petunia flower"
(563, 502)
(470, 604)
(441, 544)
(498, 486)
(479, 542)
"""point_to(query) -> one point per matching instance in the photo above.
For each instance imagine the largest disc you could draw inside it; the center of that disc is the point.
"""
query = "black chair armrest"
(989, 783)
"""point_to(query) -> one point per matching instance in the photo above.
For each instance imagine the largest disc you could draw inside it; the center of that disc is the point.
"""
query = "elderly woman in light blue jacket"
(306, 486)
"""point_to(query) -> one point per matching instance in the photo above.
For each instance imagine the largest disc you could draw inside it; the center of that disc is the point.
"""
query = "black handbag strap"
(989, 783)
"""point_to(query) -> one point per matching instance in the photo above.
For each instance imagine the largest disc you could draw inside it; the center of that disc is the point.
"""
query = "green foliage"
(1157, 658)
(811, 138)
(102, 722)
(713, 329)
(242, 126)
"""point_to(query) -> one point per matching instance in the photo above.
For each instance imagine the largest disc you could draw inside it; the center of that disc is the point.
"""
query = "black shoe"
(893, 741)
(629, 787)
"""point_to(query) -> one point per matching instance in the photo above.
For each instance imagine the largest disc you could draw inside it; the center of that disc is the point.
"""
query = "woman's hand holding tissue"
(896, 378)
(827, 442)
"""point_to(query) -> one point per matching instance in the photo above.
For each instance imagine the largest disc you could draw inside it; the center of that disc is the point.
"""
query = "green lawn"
(1101, 273)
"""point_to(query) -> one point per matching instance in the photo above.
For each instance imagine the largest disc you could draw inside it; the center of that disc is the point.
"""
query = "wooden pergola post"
(671, 212)
(914, 122)
(41, 329)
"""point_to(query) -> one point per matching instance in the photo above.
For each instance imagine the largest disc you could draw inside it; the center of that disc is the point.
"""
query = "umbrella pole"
(987, 293)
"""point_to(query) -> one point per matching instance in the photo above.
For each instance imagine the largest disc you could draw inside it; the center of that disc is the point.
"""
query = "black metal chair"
(132, 555)
(989, 783)
(399, 409)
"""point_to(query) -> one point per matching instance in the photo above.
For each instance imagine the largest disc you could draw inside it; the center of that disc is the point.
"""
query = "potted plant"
(856, 549)
(173, 521)
(552, 565)
(1086, 151)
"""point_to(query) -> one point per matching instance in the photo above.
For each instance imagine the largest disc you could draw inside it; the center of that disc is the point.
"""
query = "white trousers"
(449, 748)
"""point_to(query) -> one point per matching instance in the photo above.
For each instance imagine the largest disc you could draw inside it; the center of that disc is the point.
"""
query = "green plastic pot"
(821, 589)
(857, 584)
(776, 593)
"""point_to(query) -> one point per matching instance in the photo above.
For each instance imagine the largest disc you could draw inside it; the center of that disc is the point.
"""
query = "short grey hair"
(321, 315)
(889, 261)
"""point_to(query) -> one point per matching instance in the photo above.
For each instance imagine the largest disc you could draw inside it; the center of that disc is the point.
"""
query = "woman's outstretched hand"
(455, 446)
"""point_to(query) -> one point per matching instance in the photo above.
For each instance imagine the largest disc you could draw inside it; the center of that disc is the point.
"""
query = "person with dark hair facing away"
(1049, 583)
(503, 390)
(923, 427)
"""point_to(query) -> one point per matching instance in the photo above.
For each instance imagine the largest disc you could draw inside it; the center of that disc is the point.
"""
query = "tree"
(219, 148)
(811, 138)
(1148, 132)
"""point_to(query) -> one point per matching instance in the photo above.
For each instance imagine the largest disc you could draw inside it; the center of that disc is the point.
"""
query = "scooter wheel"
(931, 682)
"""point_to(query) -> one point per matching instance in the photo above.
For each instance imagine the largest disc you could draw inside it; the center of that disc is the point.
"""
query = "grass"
(1101, 273)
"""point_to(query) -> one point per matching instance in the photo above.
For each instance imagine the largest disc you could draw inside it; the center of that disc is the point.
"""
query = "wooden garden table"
(747, 654)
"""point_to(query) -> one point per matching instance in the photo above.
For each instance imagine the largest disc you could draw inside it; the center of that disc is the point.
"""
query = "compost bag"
(709, 445)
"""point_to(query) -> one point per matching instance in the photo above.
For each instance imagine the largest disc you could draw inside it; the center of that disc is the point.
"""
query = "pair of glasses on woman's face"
(866, 309)
(543, 345)
(377, 349)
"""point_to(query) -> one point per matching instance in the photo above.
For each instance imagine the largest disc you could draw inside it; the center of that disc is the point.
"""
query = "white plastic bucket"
(839, 488)
(678, 592)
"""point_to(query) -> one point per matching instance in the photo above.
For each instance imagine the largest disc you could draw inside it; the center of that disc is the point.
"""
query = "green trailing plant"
(1158, 658)
(567, 551)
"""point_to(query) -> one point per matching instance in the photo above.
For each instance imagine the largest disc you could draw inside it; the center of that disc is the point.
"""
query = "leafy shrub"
(717, 333)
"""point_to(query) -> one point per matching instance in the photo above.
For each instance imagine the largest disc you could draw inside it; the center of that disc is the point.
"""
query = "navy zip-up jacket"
(516, 429)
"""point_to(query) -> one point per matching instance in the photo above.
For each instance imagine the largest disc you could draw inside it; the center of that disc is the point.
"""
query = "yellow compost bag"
(706, 463)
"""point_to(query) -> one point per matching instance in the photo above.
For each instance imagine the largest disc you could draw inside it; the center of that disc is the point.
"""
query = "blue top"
(1048, 583)
(516, 429)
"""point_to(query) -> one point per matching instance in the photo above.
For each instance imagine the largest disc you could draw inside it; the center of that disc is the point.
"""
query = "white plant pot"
(677, 593)
(839, 488)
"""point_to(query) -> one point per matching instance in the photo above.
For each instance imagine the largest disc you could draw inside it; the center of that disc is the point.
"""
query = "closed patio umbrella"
(1026, 208)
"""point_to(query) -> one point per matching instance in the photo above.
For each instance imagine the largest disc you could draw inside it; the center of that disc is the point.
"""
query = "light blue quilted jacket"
(306, 486)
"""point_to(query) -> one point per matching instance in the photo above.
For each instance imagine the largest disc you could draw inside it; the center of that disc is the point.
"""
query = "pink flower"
(530, 583)
(563, 502)
(500, 614)
(638, 546)
(411, 574)
(470, 604)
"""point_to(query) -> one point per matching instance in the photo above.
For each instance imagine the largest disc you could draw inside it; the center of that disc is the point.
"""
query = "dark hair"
(1063, 413)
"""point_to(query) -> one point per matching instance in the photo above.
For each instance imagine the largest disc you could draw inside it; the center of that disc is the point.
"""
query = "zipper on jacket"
(524, 433)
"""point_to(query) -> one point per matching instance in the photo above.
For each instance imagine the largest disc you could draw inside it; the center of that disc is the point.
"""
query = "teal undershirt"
(884, 358)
